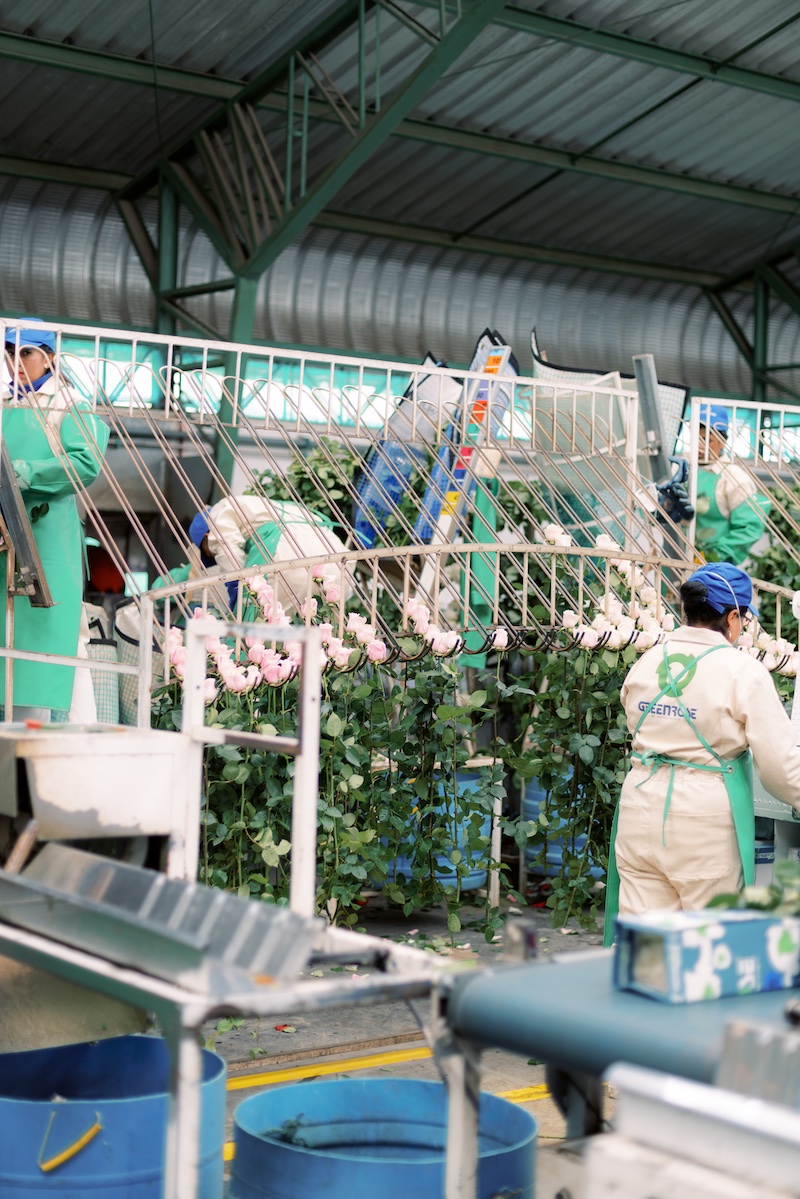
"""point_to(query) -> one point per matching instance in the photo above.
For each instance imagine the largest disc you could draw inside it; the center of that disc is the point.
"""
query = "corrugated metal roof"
(71, 255)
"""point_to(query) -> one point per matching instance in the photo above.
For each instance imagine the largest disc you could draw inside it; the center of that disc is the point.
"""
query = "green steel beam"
(140, 239)
(730, 322)
(591, 164)
(760, 340)
(452, 137)
(122, 69)
(442, 239)
(622, 45)
(780, 286)
(323, 33)
(379, 126)
(243, 314)
(167, 254)
(52, 172)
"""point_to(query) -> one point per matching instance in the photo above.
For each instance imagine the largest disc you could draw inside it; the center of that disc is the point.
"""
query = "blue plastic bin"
(445, 870)
(52, 1099)
(371, 1139)
(532, 805)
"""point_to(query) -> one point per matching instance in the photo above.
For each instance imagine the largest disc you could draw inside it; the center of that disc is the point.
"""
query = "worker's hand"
(23, 472)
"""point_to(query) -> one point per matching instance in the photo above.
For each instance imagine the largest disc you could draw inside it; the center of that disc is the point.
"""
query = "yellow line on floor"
(343, 1066)
(525, 1094)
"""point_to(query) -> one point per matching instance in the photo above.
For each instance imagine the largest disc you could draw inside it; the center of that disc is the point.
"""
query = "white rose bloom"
(625, 626)
(668, 622)
(616, 640)
(551, 532)
(570, 619)
(605, 542)
(648, 595)
(563, 539)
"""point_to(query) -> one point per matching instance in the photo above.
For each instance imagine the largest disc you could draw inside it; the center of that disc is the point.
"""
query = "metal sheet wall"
(64, 252)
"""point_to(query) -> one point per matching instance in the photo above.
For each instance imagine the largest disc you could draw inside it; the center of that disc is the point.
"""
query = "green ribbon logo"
(680, 661)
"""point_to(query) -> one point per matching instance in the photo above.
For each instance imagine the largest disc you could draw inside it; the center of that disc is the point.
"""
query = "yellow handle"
(64, 1156)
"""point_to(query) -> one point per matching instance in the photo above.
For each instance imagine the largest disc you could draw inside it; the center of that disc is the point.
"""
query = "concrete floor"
(386, 1040)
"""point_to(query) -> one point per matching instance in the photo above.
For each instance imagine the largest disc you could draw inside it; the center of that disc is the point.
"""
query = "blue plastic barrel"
(52, 1100)
(371, 1139)
(532, 804)
(445, 870)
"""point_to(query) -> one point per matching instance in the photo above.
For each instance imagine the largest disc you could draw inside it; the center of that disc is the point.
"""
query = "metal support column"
(760, 340)
(167, 253)
(241, 330)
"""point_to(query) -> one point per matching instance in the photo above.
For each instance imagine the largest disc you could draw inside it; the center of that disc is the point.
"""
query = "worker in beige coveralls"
(696, 706)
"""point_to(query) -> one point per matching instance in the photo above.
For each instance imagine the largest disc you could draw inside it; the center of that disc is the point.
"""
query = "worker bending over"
(731, 515)
(250, 530)
(684, 830)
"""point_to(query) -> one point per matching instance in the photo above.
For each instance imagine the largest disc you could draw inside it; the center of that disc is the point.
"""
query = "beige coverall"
(693, 856)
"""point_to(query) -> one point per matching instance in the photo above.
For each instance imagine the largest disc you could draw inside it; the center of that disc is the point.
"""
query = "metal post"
(181, 1164)
(494, 877)
(287, 170)
(303, 882)
(241, 330)
(760, 340)
(694, 458)
(362, 63)
(631, 451)
(167, 252)
(9, 631)
(184, 845)
(459, 1064)
(145, 662)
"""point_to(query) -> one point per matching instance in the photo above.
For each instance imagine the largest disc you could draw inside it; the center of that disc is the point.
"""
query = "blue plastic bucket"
(51, 1101)
(371, 1139)
(532, 803)
(445, 870)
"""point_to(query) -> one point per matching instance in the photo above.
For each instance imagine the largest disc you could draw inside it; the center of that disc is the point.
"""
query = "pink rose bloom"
(287, 669)
(668, 622)
(272, 672)
(318, 573)
(209, 691)
(500, 639)
(332, 593)
(253, 675)
(251, 640)
(177, 670)
(236, 681)
(178, 657)
(326, 632)
(335, 646)
(256, 653)
(308, 609)
(174, 638)
(293, 650)
(432, 632)
(213, 645)
(376, 651)
(199, 614)
(365, 634)
(421, 624)
(255, 581)
(355, 622)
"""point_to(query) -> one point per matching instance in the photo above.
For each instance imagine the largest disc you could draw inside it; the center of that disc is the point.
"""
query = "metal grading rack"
(188, 953)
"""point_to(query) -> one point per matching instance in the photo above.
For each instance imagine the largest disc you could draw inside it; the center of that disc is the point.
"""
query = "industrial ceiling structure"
(388, 177)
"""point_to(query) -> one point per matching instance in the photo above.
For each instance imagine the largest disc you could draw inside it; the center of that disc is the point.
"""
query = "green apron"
(261, 549)
(737, 775)
(718, 537)
(59, 538)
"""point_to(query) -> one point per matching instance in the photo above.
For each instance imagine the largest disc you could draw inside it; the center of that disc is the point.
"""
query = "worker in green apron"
(700, 712)
(54, 441)
(731, 514)
(253, 530)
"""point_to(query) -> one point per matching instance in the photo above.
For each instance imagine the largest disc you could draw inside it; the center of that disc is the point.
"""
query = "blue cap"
(199, 526)
(44, 338)
(727, 586)
(716, 416)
